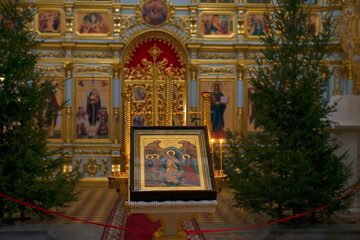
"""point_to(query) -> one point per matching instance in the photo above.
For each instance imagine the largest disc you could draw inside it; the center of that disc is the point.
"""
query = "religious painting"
(258, 1)
(138, 120)
(249, 113)
(313, 24)
(139, 94)
(92, 109)
(155, 12)
(7, 23)
(49, 22)
(217, 24)
(222, 104)
(54, 100)
(98, 23)
(173, 160)
(255, 25)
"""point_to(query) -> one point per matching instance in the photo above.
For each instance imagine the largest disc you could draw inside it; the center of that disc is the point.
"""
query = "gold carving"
(92, 167)
(69, 24)
(116, 67)
(241, 70)
(116, 125)
(106, 167)
(50, 69)
(206, 111)
(115, 164)
(68, 163)
(77, 166)
(348, 72)
(240, 23)
(68, 66)
(169, 99)
(194, 68)
(68, 124)
(217, 55)
(337, 28)
(84, 69)
(126, 127)
(92, 152)
(240, 120)
(92, 55)
(193, 25)
(51, 54)
(337, 82)
(226, 70)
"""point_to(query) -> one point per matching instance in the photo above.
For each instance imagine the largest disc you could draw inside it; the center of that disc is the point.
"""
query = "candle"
(221, 141)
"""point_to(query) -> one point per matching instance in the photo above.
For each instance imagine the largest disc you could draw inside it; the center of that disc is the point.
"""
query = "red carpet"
(119, 217)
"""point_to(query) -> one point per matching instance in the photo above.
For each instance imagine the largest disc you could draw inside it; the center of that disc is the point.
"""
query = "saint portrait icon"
(154, 12)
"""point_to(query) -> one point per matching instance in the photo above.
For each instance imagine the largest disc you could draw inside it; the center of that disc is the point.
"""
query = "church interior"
(115, 56)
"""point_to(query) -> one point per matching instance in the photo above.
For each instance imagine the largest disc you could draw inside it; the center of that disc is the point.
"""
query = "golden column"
(116, 125)
(126, 131)
(169, 98)
(240, 113)
(68, 124)
(206, 111)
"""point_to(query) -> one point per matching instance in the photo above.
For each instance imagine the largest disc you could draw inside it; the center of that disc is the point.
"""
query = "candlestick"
(212, 152)
(221, 141)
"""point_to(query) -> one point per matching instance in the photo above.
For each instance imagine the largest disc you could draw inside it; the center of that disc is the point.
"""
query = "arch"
(146, 60)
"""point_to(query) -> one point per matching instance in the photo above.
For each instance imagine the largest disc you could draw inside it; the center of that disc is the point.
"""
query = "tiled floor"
(96, 201)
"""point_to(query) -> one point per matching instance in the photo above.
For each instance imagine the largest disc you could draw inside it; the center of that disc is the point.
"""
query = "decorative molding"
(92, 54)
(217, 55)
(84, 69)
(92, 152)
(68, 66)
(50, 54)
(50, 69)
(92, 167)
(207, 70)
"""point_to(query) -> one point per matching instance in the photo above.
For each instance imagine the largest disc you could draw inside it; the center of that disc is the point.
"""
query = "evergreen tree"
(291, 166)
(29, 171)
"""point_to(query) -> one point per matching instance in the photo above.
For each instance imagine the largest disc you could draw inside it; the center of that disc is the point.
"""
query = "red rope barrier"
(187, 232)
(269, 223)
(72, 218)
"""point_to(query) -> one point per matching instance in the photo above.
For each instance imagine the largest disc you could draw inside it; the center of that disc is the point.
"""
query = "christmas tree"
(29, 171)
(291, 166)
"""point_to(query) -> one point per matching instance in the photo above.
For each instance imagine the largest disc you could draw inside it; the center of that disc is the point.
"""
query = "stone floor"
(96, 201)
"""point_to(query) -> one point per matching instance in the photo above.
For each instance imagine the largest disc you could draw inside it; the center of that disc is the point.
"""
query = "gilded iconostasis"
(100, 49)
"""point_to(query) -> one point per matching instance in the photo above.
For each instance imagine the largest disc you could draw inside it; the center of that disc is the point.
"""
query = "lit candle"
(212, 152)
(221, 141)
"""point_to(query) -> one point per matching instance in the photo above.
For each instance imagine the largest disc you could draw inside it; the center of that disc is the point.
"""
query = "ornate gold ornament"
(217, 55)
(92, 167)
(126, 107)
(240, 115)
(206, 111)
(240, 23)
(241, 71)
(163, 12)
(337, 27)
(50, 54)
(68, 66)
(68, 124)
(106, 167)
(337, 82)
(77, 166)
(50, 69)
(92, 152)
(84, 69)
(169, 99)
(69, 24)
(116, 125)
(93, 55)
(207, 70)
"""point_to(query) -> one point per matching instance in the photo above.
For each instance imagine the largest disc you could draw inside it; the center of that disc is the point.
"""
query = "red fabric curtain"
(142, 52)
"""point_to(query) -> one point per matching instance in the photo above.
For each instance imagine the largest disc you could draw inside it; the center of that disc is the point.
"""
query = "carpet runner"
(119, 217)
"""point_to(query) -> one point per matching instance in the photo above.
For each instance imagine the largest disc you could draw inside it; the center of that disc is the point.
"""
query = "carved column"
(240, 115)
(116, 126)
(240, 97)
(169, 98)
(68, 125)
(69, 20)
(206, 111)
(126, 108)
(240, 23)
